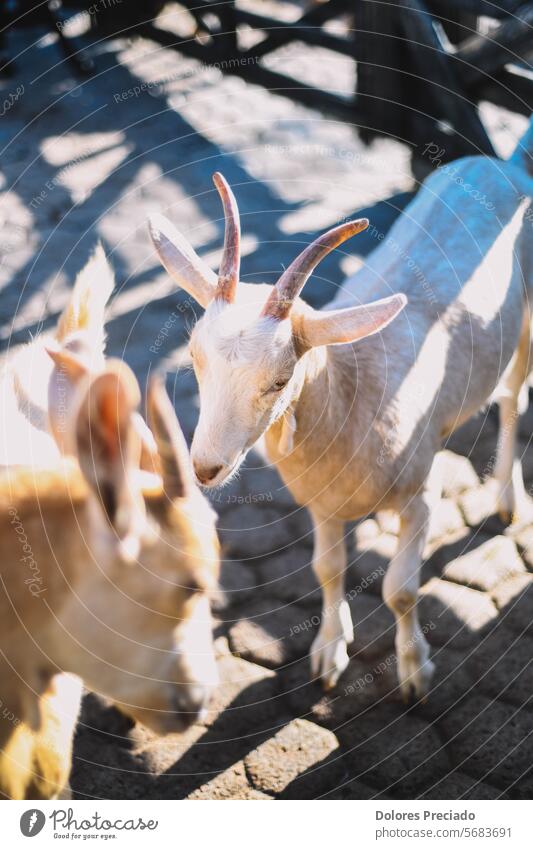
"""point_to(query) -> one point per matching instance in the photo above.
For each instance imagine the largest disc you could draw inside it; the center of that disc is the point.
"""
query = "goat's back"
(463, 213)
(458, 253)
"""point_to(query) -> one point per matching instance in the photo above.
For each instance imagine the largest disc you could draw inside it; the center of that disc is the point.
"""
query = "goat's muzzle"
(206, 474)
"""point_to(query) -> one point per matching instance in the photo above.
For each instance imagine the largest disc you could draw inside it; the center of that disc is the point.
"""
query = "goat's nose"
(205, 474)
(190, 704)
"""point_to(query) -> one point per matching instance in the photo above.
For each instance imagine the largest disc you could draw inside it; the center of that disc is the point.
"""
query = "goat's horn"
(228, 275)
(171, 446)
(294, 278)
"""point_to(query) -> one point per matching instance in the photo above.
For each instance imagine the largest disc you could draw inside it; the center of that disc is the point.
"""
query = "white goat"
(334, 395)
(105, 568)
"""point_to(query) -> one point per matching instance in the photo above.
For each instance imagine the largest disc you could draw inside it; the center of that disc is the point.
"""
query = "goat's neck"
(316, 377)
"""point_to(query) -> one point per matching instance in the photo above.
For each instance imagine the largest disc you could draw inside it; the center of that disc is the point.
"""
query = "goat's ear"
(338, 327)
(105, 441)
(65, 378)
(67, 363)
(180, 260)
(147, 453)
(174, 459)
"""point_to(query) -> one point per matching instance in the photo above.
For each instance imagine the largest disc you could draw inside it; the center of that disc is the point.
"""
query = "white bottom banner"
(356, 824)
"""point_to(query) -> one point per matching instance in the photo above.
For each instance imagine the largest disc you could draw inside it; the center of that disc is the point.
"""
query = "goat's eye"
(195, 587)
(278, 385)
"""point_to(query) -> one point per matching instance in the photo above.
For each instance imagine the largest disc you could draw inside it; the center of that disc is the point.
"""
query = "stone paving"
(77, 164)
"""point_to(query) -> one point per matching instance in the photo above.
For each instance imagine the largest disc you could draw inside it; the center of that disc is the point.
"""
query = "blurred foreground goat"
(356, 399)
(105, 566)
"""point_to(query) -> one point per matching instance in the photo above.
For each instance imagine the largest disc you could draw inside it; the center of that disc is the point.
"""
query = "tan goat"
(105, 568)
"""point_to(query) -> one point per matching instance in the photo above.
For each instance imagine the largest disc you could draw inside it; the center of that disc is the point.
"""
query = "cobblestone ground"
(85, 161)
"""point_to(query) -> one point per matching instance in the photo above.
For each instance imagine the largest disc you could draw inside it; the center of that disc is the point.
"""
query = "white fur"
(366, 420)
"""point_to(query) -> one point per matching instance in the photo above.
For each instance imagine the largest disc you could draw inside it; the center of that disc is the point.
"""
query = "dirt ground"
(91, 160)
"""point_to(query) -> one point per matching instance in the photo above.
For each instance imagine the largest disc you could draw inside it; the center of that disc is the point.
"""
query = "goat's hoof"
(415, 679)
(522, 514)
(328, 661)
(516, 519)
(514, 508)
(505, 516)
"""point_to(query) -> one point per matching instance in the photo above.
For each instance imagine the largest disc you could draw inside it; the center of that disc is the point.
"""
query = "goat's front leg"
(329, 655)
(400, 591)
(52, 744)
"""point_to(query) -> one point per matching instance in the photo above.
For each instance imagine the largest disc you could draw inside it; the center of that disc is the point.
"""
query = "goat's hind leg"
(400, 592)
(513, 502)
(329, 655)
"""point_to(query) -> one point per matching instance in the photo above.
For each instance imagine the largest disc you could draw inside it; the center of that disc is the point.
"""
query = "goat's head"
(248, 346)
(137, 627)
